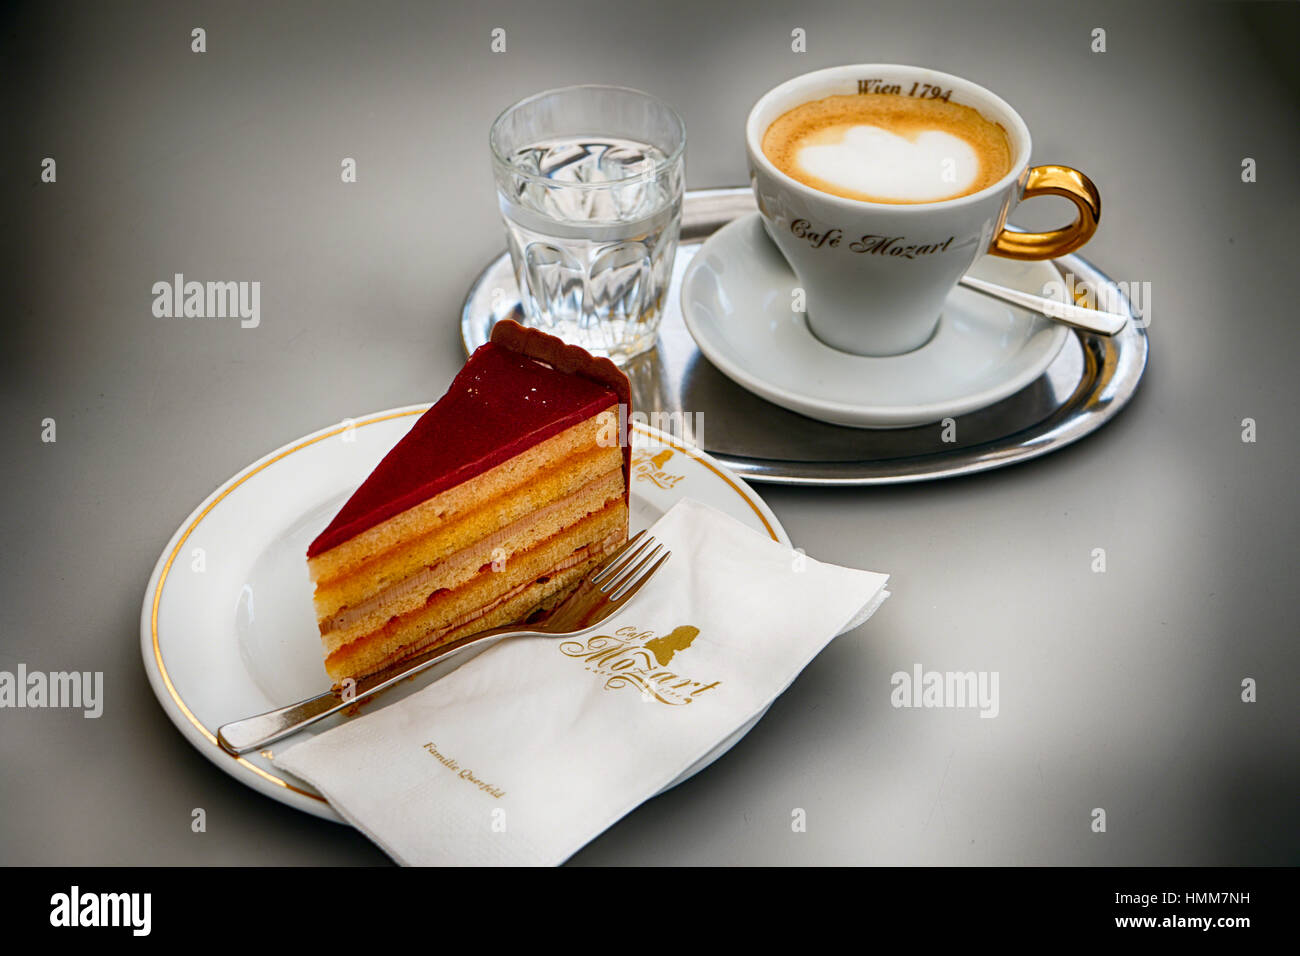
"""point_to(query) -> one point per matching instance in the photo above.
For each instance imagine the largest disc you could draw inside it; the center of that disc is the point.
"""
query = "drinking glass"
(589, 181)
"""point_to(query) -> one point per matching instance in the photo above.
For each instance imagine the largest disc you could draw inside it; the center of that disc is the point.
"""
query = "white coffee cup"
(875, 275)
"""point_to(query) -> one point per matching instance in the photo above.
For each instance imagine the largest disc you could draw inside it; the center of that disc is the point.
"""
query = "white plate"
(228, 629)
(737, 306)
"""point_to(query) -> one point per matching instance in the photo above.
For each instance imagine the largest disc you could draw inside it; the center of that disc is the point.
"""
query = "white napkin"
(530, 750)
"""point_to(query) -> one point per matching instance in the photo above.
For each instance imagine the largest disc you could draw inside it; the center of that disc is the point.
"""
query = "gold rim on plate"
(162, 577)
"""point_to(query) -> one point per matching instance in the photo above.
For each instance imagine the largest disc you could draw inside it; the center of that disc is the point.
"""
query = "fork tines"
(618, 578)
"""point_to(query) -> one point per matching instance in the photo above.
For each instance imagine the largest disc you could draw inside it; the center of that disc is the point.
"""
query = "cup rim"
(669, 160)
(1020, 163)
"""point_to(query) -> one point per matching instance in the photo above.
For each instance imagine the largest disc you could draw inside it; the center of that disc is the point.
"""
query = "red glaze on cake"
(574, 360)
(496, 503)
(500, 403)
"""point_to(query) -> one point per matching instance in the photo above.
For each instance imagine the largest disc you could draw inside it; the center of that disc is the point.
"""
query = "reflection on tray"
(741, 423)
(1085, 386)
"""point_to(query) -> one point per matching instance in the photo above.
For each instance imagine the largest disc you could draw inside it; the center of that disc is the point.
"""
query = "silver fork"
(598, 596)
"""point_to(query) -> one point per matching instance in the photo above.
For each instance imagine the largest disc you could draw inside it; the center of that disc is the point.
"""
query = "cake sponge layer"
(411, 635)
(444, 608)
(568, 481)
(597, 432)
(557, 524)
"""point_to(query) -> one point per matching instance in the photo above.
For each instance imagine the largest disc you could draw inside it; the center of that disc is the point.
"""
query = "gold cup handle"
(1054, 181)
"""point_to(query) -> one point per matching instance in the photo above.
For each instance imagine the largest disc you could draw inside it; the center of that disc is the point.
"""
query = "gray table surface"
(1118, 690)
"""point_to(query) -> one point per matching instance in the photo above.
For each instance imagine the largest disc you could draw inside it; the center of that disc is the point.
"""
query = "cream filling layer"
(456, 503)
(581, 555)
(474, 557)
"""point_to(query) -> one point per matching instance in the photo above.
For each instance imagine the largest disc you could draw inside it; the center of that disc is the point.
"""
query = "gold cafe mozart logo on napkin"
(639, 660)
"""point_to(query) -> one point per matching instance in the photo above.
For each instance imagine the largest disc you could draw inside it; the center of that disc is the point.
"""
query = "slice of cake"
(495, 504)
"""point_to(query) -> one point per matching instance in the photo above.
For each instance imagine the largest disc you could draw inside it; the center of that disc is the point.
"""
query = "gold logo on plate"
(639, 659)
(648, 467)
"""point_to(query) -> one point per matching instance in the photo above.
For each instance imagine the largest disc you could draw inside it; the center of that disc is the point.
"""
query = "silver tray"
(1085, 387)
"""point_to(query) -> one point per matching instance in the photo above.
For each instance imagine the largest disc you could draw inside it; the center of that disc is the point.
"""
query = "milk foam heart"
(928, 166)
(889, 149)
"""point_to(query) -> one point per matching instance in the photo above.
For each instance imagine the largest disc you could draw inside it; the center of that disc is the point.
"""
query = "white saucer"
(737, 306)
(227, 629)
